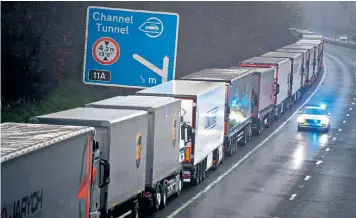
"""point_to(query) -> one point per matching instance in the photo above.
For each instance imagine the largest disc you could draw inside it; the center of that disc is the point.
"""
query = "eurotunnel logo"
(174, 131)
(86, 180)
(138, 149)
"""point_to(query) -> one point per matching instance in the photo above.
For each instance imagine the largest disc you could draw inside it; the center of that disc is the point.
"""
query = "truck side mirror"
(227, 109)
(254, 99)
(105, 170)
(182, 132)
(277, 90)
(186, 133)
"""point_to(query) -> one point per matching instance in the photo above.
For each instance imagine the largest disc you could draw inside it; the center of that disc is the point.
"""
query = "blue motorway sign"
(130, 48)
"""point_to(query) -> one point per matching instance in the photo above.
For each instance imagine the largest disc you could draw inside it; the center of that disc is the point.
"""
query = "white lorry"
(47, 171)
(165, 148)
(311, 61)
(282, 87)
(238, 103)
(122, 139)
(203, 109)
(296, 78)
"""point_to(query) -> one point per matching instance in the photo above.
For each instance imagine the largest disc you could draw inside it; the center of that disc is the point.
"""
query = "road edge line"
(239, 162)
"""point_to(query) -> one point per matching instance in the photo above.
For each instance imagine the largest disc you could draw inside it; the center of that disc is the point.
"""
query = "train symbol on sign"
(106, 51)
(153, 27)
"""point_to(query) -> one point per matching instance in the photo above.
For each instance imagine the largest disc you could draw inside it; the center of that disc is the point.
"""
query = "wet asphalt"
(293, 174)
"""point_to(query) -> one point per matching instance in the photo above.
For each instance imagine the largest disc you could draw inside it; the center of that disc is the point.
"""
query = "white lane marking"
(344, 121)
(292, 197)
(339, 130)
(350, 109)
(347, 115)
(327, 149)
(207, 188)
(319, 162)
(334, 138)
(307, 178)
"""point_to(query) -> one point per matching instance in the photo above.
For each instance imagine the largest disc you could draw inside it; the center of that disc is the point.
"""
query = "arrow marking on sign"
(161, 72)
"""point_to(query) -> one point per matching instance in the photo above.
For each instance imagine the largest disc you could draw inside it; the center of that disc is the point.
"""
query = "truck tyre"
(179, 186)
(203, 170)
(269, 120)
(260, 128)
(163, 195)
(199, 172)
(157, 198)
(195, 181)
(136, 210)
(230, 148)
(245, 137)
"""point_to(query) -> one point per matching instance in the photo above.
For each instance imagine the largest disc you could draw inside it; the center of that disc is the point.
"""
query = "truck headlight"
(301, 119)
(325, 120)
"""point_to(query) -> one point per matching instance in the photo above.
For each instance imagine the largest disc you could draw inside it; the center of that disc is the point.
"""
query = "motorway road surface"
(293, 174)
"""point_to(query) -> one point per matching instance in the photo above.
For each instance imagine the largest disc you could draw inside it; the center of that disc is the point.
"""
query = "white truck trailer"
(311, 59)
(296, 78)
(46, 171)
(305, 68)
(165, 149)
(237, 128)
(282, 88)
(203, 109)
(122, 139)
(318, 45)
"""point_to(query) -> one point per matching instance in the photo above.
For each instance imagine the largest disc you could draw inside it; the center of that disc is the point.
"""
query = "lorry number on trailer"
(27, 206)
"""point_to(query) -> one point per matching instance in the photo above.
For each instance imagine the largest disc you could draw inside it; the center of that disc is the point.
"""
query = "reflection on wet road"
(269, 181)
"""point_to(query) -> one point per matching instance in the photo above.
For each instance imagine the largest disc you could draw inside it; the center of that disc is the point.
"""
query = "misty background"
(42, 44)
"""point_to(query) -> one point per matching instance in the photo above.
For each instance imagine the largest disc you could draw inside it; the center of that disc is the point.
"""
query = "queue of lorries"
(121, 156)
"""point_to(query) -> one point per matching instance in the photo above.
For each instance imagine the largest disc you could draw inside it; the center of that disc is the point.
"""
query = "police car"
(314, 117)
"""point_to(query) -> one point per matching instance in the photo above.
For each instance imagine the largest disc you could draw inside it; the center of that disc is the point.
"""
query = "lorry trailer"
(165, 149)
(262, 98)
(122, 139)
(296, 78)
(281, 90)
(48, 170)
(311, 59)
(203, 109)
(237, 124)
(318, 45)
(305, 68)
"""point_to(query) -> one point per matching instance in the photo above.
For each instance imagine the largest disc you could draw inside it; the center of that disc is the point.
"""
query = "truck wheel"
(244, 138)
(203, 170)
(136, 210)
(199, 172)
(163, 195)
(230, 149)
(260, 128)
(157, 199)
(196, 180)
(179, 186)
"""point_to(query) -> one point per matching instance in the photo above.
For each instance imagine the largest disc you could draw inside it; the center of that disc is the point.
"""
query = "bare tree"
(23, 39)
